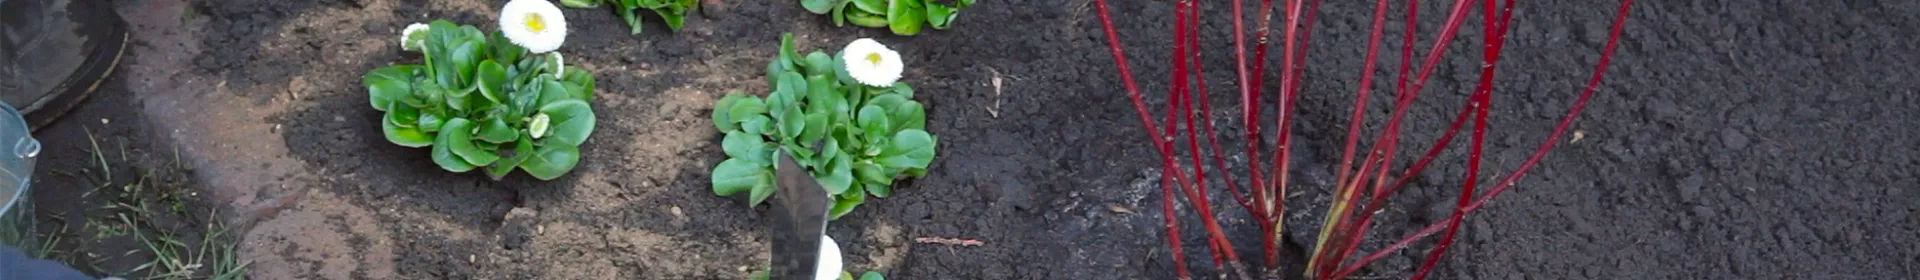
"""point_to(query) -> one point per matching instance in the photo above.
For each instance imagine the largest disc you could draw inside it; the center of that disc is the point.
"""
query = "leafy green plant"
(854, 138)
(904, 17)
(674, 12)
(481, 102)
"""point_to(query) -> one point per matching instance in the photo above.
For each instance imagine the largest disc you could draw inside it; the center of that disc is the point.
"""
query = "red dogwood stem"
(1553, 139)
(1496, 37)
(1387, 139)
(1140, 106)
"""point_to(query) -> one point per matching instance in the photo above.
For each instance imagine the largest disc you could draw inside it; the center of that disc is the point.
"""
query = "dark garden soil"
(1730, 140)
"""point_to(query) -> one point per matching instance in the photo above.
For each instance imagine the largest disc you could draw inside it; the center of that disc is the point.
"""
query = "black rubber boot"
(55, 53)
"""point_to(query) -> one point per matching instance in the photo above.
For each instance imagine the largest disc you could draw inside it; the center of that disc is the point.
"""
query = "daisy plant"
(495, 102)
(674, 12)
(904, 17)
(845, 117)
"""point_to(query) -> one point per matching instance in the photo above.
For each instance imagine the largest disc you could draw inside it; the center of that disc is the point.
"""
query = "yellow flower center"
(874, 58)
(535, 23)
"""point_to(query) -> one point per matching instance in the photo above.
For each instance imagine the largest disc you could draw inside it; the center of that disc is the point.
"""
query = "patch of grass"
(47, 245)
(130, 223)
(104, 230)
(212, 258)
(100, 158)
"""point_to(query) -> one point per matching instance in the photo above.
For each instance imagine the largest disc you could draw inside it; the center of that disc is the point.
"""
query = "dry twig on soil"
(949, 241)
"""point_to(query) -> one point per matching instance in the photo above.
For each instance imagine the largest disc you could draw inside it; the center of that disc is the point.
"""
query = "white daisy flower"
(538, 126)
(830, 265)
(559, 65)
(534, 24)
(871, 63)
(413, 37)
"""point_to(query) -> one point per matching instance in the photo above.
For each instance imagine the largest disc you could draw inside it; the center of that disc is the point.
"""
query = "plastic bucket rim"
(10, 117)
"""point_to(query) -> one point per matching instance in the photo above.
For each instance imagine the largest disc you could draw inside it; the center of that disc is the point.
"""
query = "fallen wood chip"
(950, 241)
(995, 109)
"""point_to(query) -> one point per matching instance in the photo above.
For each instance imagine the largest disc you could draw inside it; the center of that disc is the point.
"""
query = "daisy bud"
(413, 37)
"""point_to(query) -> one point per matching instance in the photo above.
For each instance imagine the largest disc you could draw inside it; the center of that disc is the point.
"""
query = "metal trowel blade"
(800, 209)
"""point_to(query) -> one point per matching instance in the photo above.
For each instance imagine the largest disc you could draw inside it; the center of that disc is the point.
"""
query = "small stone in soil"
(1674, 166)
(713, 9)
(1614, 148)
(1662, 108)
(1482, 232)
(1734, 139)
(1690, 187)
(919, 210)
(1703, 212)
(669, 107)
(517, 228)
(1721, 161)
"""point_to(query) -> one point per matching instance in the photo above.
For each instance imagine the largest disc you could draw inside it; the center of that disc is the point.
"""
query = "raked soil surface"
(1729, 140)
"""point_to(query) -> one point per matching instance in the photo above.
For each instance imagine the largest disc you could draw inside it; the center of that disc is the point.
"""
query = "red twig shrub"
(1348, 220)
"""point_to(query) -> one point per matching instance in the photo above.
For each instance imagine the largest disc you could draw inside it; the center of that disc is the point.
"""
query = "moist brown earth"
(1730, 140)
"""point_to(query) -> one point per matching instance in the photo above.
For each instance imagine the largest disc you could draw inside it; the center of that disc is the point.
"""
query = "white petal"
(891, 66)
(881, 74)
(514, 20)
(830, 266)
